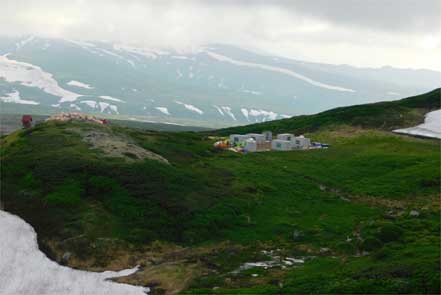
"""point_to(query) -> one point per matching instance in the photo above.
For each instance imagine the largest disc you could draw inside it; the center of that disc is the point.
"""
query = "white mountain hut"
(281, 145)
(250, 145)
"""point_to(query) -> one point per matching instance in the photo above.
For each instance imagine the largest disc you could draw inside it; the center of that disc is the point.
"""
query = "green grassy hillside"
(389, 115)
(364, 214)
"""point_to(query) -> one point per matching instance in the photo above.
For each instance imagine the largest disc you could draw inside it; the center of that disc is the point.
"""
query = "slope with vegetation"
(362, 215)
(387, 116)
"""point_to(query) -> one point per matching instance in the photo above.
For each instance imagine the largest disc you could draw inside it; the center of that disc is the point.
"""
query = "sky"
(373, 33)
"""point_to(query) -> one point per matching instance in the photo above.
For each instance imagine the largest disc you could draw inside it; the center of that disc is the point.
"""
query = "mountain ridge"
(216, 84)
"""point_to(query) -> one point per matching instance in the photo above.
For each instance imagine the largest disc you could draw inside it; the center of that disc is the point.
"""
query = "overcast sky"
(402, 33)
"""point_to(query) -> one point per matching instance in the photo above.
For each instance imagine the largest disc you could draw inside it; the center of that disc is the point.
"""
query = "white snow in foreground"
(163, 110)
(79, 84)
(430, 128)
(25, 270)
(111, 98)
(276, 69)
(190, 107)
(14, 97)
(33, 76)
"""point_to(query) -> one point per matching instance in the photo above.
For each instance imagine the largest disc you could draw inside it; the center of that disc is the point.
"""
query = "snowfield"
(79, 84)
(14, 97)
(25, 270)
(430, 128)
(111, 98)
(293, 74)
(33, 76)
(190, 107)
(163, 110)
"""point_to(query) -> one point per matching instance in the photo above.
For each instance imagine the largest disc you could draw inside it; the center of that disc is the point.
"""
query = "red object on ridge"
(26, 120)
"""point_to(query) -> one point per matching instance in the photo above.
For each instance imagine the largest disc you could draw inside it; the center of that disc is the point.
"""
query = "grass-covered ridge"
(192, 222)
(388, 115)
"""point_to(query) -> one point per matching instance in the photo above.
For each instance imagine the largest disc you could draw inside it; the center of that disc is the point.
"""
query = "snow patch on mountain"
(291, 73)
(101, 106)
(163, 110)
(90, 103)
(227, 110)
(266, 114)
(139, 51)
(33, 76)
(106, 97)
(74, 106)
(253, 92)
(22, 43)
(430, 128)
(26, 270)
(179, 57)
(14, 97)
(263, 115)
(245, 113)
(190, 107)
(79, 84)
(219, 110)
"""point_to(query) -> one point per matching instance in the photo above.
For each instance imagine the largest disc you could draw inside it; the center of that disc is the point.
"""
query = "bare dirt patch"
(117, 146)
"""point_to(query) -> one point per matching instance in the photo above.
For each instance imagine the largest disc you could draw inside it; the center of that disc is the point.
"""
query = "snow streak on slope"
(25, 270)
(163, 110)
(33, 76)
(79, 84)
(430, 128)
(276, 69)
(14, 97)
(111, 98)
(227, 110)
(190, 107)
(219, 110)
(23, 42)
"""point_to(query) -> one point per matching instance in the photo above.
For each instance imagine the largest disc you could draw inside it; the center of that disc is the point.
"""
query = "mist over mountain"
(213, 85)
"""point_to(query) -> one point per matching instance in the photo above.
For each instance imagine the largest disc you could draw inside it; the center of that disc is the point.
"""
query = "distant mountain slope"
(390, 115)
(212, 85)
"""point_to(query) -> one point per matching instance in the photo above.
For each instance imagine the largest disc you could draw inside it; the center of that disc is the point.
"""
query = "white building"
(301, 142)
(286, 136)
(259, 138)
(237, 139)
(250, 145)
(281, 145)
(268, 135)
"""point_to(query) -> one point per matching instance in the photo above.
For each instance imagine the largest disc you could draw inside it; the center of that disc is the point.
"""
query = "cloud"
(331, 31)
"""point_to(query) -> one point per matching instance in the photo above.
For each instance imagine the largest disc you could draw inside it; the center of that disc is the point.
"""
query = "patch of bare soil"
(113, 145)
